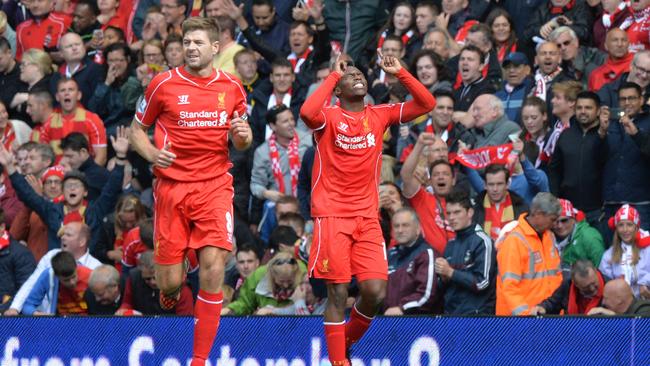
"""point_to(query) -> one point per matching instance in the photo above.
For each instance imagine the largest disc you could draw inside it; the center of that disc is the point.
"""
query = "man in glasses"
(575, 239)
(627, 169)
(348, 238)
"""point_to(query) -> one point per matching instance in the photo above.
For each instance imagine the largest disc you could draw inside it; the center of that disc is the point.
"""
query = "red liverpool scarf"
(483, 156)
(4, 240)
(297, 61)
(294, 163)
(581, 305)
(496, 218)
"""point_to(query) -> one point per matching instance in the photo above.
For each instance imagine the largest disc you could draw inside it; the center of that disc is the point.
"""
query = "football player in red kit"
(196, 110)
(347, 236)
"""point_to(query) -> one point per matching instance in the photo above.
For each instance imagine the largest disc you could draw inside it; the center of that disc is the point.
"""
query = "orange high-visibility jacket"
(529, 269)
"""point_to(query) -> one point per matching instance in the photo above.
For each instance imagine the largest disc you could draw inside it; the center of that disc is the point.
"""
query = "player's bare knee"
(169, 278)
(373, 291)
(337, 295)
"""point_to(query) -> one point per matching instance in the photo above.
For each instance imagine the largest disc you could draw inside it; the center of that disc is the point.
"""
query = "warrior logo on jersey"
(183, 99)
(343, 126)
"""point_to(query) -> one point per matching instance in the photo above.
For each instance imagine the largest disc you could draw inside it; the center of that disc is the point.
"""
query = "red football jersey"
(193, 114)
(639, 35)
(58, 126)
(347, 164)
(41, 33)
(132, 247)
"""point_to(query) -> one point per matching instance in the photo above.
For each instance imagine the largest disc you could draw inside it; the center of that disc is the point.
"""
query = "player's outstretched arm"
(422, 102)
(240, 132)
(162, 158)
(311, 110)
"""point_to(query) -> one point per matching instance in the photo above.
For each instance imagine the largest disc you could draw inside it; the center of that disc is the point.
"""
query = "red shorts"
(191, 215)
(343, 247)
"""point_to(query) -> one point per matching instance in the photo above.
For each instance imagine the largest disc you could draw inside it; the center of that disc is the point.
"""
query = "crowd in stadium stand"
(525, 191)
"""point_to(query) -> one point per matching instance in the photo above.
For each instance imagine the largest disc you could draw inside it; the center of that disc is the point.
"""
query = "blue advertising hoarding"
(298, 341)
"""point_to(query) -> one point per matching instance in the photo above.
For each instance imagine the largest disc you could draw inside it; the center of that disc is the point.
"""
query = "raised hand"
(339, 65)
(121, 142)
(35, 183)
(316, 11)
(7, 160)
(389, 64)
(300, 12)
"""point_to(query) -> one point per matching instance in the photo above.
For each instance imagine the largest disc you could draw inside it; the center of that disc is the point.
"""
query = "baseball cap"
(516, 58)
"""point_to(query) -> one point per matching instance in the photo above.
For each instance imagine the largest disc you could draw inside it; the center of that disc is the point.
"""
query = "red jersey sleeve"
(96, 131)
(312, 110)
(422, 102)
(152, 104)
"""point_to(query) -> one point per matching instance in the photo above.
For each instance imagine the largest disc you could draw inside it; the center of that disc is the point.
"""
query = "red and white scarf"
(636, 17)
(541, 82)
(298, 60)
(552, 140)
(294, 163)
(607, 18)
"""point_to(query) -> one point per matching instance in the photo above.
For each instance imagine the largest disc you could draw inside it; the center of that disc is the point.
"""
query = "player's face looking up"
(352, 85)
(198, 50)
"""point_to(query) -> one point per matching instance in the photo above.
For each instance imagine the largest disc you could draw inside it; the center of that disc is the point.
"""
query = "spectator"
(74, 192)
(517, 85)
(545, 19)
(224, 60)
(440, 42)
(305, 302)
(277, 161)
(136, 241)
(174, 13)
(400, 23)
(578, 296)
(129, 214)
(618, 60)
(457, 18)
(468, 267)
(40, 109)
(114, 100)
(548, 71)
(637, 30)
(614, 14)
(578, 62)
(268, 26)
(280, 91)
(629, 255)
(35, 71)
(10, 83)
(74, 118)
(496, 205)
(7, 31)
(618, 299)
(173, 51)
(295, 221)
(269, 287)
(480, 35)
(141, 292)
(426, 12)
(76, 66)
(575, 239)
(85, 23)
(473, 83)
(564, 98)
(43, 31)
(576, 168)
(503, 32)
(429, 207)
(283, 239)
(110, 14)
(638, 75)
(378, 79)
(39, 158)
(390, 201)
(61, 288)
(269, 220)
(28, 226)
(246, 262)
(528, 263)
(104, 293)
(431, 71)
(490, 126)
(152, 61)
(74, 240)
(16, 265)
(627, 168)
(246, 68)
(76, 155)
(411, 287)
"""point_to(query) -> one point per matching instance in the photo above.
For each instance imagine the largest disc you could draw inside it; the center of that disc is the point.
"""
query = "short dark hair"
(146, 232)
(272, 114)
(496, 169)
(298, 23)
(392, 37)
(459, 196)
(441, 68)
(63, 264)
(281, 62)
(248, 247)
(208, 25)
(442, 162)
(126, 51)
(263, 2)
(444, 93)
(630, 85)
(586, 94)
(119, 31)
(78, 175)
(581, 268)
(288, 199)
(46, 152)
(284, 235)
(74, 141)
(92, 4)
(472, 48)
(294, 218)
(227, 24)
(482, 28)
(66, 79)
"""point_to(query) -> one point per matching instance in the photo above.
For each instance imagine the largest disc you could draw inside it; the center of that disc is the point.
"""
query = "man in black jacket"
(468, 268)
(76, 155)
(104, 293)
(576, 168)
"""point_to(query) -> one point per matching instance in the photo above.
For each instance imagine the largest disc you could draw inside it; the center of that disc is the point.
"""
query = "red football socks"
(335, 338)
(207, 313)
(356, 327)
